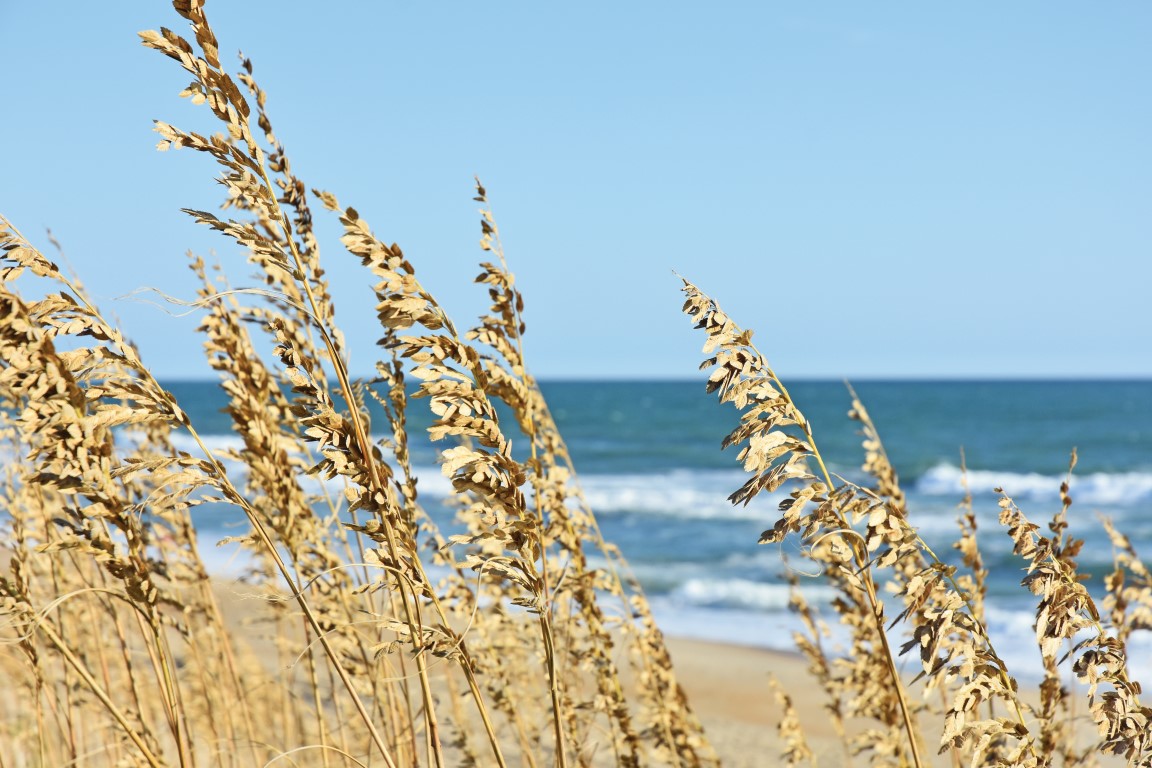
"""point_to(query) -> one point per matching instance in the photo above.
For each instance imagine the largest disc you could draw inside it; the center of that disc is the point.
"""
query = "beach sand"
(727, 687)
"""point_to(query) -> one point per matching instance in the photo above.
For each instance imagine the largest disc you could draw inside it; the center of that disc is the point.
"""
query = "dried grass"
(369, 636)
(965, 701)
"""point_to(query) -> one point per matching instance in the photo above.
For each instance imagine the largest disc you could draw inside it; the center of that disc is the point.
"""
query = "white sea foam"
(724, 626)
(740, 593)
(182, 441)
(681, 493)
(703, 494)
(1011, 631)
(1104, 488)
(1013, 634)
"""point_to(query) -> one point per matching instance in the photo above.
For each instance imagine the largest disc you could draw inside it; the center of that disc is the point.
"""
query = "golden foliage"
(385, 641)
(863, 537)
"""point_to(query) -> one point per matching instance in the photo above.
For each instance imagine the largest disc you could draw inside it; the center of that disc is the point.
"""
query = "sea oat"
(822, 511)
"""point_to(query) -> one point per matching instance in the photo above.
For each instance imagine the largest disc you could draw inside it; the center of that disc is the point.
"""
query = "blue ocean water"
(648, 458)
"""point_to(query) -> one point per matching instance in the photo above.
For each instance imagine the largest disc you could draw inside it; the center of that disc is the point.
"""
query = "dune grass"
(366, 634)
(964, 703)
(370, 637)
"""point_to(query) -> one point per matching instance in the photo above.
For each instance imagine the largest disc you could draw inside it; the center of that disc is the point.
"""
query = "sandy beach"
(727, 686)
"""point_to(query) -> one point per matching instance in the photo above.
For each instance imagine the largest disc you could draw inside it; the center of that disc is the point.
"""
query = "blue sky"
(880, 190)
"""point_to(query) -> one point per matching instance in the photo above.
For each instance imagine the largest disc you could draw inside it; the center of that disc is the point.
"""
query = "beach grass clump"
(366, 634)
(964, 703)
(368, 627)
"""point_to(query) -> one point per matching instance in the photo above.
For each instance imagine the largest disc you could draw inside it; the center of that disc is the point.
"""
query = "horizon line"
(876, 378)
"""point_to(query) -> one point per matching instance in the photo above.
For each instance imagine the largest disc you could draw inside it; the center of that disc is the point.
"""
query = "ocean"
(648, 458)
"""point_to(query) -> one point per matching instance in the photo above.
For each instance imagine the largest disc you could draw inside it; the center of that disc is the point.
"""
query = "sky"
(880, 190)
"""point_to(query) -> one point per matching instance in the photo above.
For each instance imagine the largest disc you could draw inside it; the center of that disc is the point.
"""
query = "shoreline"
(727, 688)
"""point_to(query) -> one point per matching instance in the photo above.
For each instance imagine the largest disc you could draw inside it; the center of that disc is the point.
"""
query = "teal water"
(648, 459)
